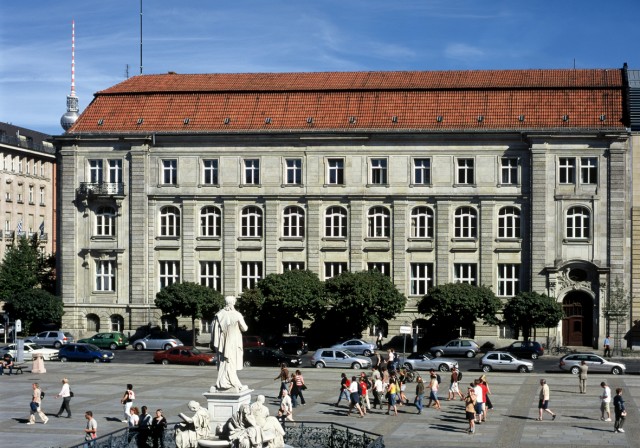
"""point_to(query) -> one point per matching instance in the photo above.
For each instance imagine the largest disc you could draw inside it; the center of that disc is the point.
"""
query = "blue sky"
(212, 36)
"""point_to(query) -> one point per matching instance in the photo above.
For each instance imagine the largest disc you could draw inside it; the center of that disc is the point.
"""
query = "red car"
(184, 355)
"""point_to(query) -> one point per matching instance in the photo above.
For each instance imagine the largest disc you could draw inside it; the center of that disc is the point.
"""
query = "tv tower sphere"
(71, 115)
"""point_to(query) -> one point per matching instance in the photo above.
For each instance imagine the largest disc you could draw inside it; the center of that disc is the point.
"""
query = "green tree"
(460, 305)
(35, 306)
(617, 311)
(531, 310)
(20, 269)
(250, 305)
(189, 300)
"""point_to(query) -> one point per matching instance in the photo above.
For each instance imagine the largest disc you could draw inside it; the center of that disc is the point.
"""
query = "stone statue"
(228, 326)
(192, 429)
(252, 427)
(269, 424)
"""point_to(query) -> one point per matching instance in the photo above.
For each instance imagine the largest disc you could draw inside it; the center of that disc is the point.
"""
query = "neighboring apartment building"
(517, 180)
(27, 187)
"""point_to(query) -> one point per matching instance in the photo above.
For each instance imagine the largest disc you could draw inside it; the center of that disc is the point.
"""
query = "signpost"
(405, 330)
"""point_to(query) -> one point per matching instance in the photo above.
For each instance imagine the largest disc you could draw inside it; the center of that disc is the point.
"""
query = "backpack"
(438, 378)
(459, 375)
(41, 395)
(132, 395)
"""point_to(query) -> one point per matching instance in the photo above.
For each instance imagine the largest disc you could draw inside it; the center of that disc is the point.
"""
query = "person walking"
(297, 386)
(91, 430)
(286, 409)
(419, 394)
(158, 425)
(543, 401)
(454, 386)
(433, 391)
(607, 347)
(486, 392)
(582, 376)
(283, 376)
(127, 401)
(378, 392)
(470, 409)
(605, 402)
(479, 392)
(36, 405)
(144, 428)
(379, 340)
(344, 388)
(354, 397)
(391, 396)
(134, 417)
(65, 394)
(619, 410)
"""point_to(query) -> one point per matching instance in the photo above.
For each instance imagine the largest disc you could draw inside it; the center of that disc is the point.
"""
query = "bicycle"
(562, 350)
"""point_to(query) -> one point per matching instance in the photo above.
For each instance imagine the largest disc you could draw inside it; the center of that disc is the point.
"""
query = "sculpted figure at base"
(252, 427)
(228, 326)
(192, 429)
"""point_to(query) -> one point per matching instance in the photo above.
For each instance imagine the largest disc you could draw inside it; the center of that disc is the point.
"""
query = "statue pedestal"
(224, 405)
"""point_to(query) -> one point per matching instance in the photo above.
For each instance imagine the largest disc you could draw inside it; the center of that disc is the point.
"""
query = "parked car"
(84, 352)
(330, 357)
(456, 347)
(184, 355)
(524, 349)
(54, 339)
(293, 345)
(504, 361)
(113, 340)
(30, 349)
(268, 356)
(252, 341)
(357, 346)
(425, 361)
(595, 363)
(157, 341)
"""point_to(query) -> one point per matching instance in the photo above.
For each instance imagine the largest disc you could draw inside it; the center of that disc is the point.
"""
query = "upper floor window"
(28, 166)
(335, 222)
(293, 222)
(210, 274)
(169, 273)
(421, 278)
(466, 222)
(379, 222)
(509, 222)
(115, 171)
(105, 275)
(465, 174)
(465, 273)
(210, 221)
(210, 172)
(170, 172)
(251, 222)
(31, 194)
(567, 170)
(335, 171)
(170, 221)
(422, 222)
(589, 170)
(509, 171)
(578, 223)
(294, 172)
(508, 280)
(95, 171)
(42, 195)
(252, 171)
(379, 175)
(20, 165)
(422, 171)
(251, 273)
(105, 221)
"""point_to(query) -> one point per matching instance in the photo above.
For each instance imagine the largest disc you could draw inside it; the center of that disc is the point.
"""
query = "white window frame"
(293, 171)
(509, 222)
(379, 171)
(105, 275)
(105, 221)
(378, 222)
(466, 222)
(578, 223)
(422, 222)
(31, 194)
(335, 171)
(250, 274)
(508, 279)
(334, 268)
(168, 273)
(588, 170)
(169, 172)
(293, 222)
(251, 222)
(42, 196)
(567, 170)
(384, 267)
(210, 221)
(169, 221)
(96, 171)
(251, 171)
(210, 274)
(210, 172)
(465, 273)
(421, 278)
(336, 222)
(421, 171)
(115, 171)
(465, 171)
(509, 171)
(292, 266)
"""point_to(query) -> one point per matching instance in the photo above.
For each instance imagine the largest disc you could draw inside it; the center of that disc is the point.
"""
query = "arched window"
(379, 218)
(578, 222)
(335, 222)
(466, 219)
(422, 222)
(509, 222)
(210, 218)
(105, 221)
(169, 221)
(293, 222)
(93, 323)
(251, 222)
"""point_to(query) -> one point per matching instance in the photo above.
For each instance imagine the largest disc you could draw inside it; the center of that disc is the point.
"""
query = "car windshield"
(93, 348)
(349, 353)
(195, 351)
(36, 346)
(428, 356)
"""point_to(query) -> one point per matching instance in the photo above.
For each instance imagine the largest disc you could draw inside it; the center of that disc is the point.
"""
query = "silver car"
(504, 361)
(30, 349)
(456, 347)
(330, 357)
(54, 339)
(159, 341)
(425, 361)
(595, 363)
(357, 346)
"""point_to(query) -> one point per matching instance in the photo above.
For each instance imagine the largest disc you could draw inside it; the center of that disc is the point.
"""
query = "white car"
(30, 349)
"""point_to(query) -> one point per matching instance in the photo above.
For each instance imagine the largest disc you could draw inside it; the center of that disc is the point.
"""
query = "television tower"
(70, 117)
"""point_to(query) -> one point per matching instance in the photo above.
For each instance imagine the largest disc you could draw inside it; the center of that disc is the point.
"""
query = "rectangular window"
(20, 165)
(115, 171)
(383, 268)
(567, 170)
(294, 172)
(42, 169)
(589, 170)
(422, 171)
(335, 173)
(42, 196)
(31, 194)
(252, 172)
(292, 266)
(379, 171)
(465, 273)
(333, 269)
(509, 171)
(170, 172)
(169, 273)
(28, 166)
(210, 274)
(105, 275)
(251, 274)
(95, 171)
(210, 172)
(465, 172)
(508, 280)
(421, 278)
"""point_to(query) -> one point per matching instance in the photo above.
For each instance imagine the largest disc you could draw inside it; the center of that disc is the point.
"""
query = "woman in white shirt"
(65, 394)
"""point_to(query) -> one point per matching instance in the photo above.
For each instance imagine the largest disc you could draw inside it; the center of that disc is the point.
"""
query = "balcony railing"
(97, 189)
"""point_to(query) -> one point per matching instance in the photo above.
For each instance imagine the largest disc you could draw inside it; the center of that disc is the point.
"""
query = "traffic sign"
(405, 330)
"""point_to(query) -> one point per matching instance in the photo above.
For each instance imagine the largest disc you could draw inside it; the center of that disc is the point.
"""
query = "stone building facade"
(517, 180)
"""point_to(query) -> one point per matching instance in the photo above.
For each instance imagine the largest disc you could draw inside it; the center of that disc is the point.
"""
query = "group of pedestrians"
(37, 395)
(291, 389)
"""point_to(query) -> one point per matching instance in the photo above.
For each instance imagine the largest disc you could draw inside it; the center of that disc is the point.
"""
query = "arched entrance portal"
(577, 324)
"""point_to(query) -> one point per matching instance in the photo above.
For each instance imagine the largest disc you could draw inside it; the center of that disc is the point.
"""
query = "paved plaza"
(99, 387)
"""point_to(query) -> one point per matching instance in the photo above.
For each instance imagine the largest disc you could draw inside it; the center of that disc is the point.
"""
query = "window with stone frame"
(465, 222)
(567, 170)
(588, 170)
(169, 172)
(210, 222)
(422, 222)
(379, 222)
(105, 221)
(105, 275)
(335, 222)
(96, 171)
(465, 273)
(210, 274)
(465, 171)
(292, 266)
(293, 222)
(422, 171)
(509, 222)
(508, 279)
(251, 222)
(168, 273)
(378, 171)
(333, 269)
(335, 171)
(421, 278)
(382, 267)
(210, 172)
(251, 274)
(251, 171)
(293, 175)
(509, 171)
(578, 223)
(170, 221)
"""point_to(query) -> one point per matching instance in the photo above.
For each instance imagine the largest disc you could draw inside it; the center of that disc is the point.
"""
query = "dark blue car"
(84, 352)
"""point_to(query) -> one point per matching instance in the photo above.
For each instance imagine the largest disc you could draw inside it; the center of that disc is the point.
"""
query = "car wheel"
(63, 359)
(139, 347)
(201, 363)
(470, 354)
(523, 369)
(437, 354)
(443, 367)
(96, 360)
(486, 368)
(408, 366)
(299, 352)
(534, 356)
(575, 370)
(113, 346)
(616, 371)
(367, 353)
(355, 366)
(57, 344)
(167, 346)
(319, 365)
(165, 362)
(247, 363)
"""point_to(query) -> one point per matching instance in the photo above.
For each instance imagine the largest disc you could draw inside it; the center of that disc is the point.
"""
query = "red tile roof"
(430, 101)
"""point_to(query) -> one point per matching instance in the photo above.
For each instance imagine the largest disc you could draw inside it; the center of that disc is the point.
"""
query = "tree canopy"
(35, 306)
(530, 310)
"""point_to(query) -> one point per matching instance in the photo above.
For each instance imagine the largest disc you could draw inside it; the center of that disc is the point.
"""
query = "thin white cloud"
(463, 51)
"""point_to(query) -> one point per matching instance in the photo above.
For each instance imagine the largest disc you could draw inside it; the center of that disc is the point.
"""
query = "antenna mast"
(70, 117)
(141, 37)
